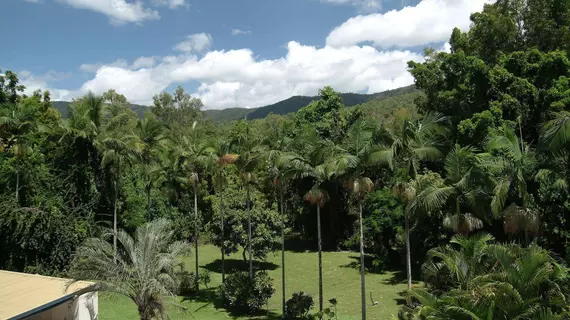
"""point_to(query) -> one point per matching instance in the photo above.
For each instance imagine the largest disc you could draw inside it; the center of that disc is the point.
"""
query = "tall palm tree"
(153, 136)
(406, 148)
(20, 122)
(555, 137)
(246, 143)
(318, 167)
(145, 268)
(118, 149)
(220, 179)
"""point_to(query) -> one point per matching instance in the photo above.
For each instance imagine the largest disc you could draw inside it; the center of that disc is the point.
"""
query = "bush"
(244, 295)
(187, 283)
(299, 305)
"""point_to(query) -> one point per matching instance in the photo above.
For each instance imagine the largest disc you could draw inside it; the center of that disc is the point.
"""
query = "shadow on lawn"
(234, 265)
(211, 296)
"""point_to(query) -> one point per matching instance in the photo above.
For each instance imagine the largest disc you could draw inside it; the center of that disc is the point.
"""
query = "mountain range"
(282, 107)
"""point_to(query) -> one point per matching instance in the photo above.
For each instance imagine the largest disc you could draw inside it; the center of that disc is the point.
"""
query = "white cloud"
(236, 32)
(195, 43)
(361, 5)
(34, 1)
(93, 67)
(172, 4)
(118, 11)
(236, 78)
(430, 21)
(144, 62)
(34, 82)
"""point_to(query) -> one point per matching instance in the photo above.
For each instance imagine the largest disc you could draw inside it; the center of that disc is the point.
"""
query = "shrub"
(244, 295)
(299, 305)
(187, 283)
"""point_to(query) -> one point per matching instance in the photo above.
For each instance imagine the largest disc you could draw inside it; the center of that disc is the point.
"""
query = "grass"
(341, 280)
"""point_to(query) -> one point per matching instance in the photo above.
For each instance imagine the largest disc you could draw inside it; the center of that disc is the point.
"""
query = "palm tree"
(118, 149)
(414, 142)
(153, 136)
(320, 172)
(145, 268)
(21, 123)
(219, 177)
(461, 189)
(246, 143)
(555, 137)
(508, 161)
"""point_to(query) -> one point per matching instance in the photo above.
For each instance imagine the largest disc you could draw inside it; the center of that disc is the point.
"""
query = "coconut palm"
(406, 148)
(153, 136)
(145, 269)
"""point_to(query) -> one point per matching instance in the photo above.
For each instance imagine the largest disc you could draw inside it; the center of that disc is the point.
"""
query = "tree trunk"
(196, 233)
(283, 252)
(17, 184)
(115, 219)
(362, 278)
(249, 235)
(320, 259)
(148, 200)
(222, 227)
(408, 253)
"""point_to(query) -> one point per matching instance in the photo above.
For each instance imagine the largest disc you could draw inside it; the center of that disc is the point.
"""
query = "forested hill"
(283, 107)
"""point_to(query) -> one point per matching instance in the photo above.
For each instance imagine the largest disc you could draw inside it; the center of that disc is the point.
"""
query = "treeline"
(487, 150)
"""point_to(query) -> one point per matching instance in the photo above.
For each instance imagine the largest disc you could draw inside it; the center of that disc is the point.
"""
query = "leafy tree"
(144, 270)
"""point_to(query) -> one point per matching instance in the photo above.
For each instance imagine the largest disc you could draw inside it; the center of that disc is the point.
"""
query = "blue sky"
(230, 53)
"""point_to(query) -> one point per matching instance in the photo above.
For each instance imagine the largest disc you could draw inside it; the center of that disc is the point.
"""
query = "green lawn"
(340, 276)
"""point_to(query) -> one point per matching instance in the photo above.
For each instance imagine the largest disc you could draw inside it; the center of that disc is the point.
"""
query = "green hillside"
(386, 100)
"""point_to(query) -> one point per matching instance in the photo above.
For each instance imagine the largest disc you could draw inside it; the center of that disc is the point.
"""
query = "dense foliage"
(484, 146)
(245, 295)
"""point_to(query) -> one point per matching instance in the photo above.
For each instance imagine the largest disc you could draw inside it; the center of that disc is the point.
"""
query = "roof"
(22, 294)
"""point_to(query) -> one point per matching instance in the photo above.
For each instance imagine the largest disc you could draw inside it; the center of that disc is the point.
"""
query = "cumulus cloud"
(361, 5)
(237, 32)
(42, 82)
(93, 67)
(172, 4)
(195, 43)
(118, 11)
(144, 62)
(236, 78)
(430, 21)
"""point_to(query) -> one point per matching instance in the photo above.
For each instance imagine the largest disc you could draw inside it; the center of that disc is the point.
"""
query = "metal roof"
(22, 294)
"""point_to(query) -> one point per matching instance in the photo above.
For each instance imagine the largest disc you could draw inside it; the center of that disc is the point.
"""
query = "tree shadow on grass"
(210, 296)
(235, 265)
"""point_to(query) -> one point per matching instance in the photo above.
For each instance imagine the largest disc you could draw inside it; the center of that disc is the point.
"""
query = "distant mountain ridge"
(286, 106)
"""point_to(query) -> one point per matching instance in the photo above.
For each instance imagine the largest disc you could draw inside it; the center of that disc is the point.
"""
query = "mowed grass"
(341, 280)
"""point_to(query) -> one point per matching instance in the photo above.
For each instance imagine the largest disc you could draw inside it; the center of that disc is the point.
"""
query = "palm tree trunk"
(249, 235)
(362, 278)
(283, 252)
(17, 184)
(115, 218)
(148, 200)
(320, 258)
(408, 253)
(196, 233)
(222, 227)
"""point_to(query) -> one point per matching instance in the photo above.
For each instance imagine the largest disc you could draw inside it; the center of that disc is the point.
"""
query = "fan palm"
(153, 136)
(145, 268)
(414, 142)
